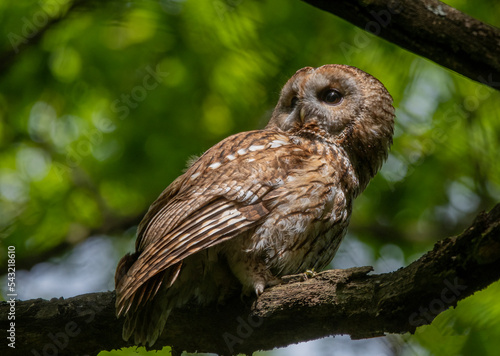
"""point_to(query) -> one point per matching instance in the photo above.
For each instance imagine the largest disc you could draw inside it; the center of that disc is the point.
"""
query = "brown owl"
(259, 204)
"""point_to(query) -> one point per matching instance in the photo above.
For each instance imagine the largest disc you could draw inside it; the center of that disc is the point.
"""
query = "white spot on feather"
(277, 143)
(242, 151)
(196, 175)
(231, 213)
(248, 195)
(256, 147)
(231, 157)
(215, 165)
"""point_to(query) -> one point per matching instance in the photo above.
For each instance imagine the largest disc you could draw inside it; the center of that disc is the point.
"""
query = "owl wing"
(219, 197)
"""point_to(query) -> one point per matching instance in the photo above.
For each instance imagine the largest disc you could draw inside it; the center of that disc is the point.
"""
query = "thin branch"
(22, 41)
(333, 302)
(113, 225)
(430, 29)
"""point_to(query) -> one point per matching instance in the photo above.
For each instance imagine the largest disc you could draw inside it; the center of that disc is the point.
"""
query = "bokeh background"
(100, 112)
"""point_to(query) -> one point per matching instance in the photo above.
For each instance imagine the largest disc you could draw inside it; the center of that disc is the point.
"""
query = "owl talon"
(310, 273)
(259, 289)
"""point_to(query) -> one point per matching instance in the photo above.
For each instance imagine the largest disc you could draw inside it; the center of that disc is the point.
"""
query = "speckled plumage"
(259, 204)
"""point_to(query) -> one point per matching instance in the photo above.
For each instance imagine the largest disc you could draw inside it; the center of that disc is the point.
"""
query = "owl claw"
(310, 273)
(259, 289)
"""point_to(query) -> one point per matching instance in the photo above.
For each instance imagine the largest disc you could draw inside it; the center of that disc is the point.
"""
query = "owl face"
(339, 105)
(330, 98)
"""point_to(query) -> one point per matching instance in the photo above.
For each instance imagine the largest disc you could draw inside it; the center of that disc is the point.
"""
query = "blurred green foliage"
(100, 114)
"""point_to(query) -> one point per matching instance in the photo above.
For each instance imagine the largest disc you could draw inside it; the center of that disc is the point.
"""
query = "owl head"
(339, 105)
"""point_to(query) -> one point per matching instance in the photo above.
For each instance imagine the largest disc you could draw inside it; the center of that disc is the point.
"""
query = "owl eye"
(294, 101)
(331, 97)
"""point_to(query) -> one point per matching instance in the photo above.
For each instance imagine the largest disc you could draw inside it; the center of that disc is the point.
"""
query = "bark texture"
(430, 29)
(330, 303)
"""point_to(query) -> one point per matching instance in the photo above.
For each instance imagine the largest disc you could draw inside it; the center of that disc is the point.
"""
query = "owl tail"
(146, 309)
(147, 323)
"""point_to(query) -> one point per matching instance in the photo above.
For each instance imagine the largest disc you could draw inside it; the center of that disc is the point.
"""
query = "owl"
(260, 204)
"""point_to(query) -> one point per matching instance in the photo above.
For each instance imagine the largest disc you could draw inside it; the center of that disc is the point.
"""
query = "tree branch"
(333, 302)
(430, 29)
(113, 225)
(25, 40)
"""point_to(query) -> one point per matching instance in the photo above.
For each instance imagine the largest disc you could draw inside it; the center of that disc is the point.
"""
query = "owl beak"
(302, 114)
